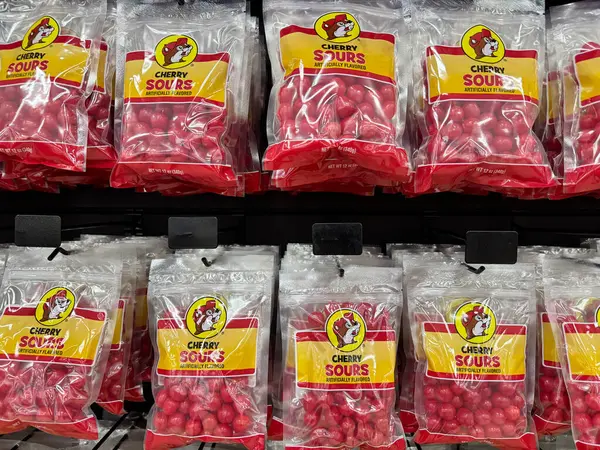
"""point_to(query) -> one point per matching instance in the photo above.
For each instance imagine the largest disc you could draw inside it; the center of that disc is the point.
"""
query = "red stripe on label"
(173, 99)
(363, 34)
(545, 318)
(52, 79)
(178, 324)
(445, 50)
(54, 359)
(585, 56)
(581, 328)
(330, 386)
(467, 96)
(81, 312)
(143, 55)
(62, 39)
(551, 364)
(336, 70)
(553, 76)
(206, 373)
(438, 327)
(474, 376)
(321, 336)
(589, 101)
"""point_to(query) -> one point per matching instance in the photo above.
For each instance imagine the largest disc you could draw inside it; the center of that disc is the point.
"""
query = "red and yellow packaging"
(47, 59)
(475, 352)
(576, 43)
(55, 338)
(210, 378)
(573, 303)
(339, 93)
(340, 375)
(481, 87)
(180, 95)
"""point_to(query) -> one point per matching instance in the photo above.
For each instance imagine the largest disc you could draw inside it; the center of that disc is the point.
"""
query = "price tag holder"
(38, 231)
(491, 247)
(337, 238)
(193, 233)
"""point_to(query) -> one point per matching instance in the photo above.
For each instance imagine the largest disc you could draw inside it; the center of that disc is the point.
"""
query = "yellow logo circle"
(55, 306)
(41, 34)
(176, 51)
(475, 322)
(338, 27)
(346, 330)
(481, 43)
(206, 317)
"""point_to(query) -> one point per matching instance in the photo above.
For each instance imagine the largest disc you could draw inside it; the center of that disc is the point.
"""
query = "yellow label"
(570, 93)
(587, 71)
(231, 352)
(345, 355)
(553, 88)
(63, 336)
(482, 69)
(549, 349)
(141, 309)
(582, 342)
(118, 335)
(338, 45)
(176, 72)
(451, 356)
(62, 58)
(102, 58)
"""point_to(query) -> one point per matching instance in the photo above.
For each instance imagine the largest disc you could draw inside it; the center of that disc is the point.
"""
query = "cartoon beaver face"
(484, 44)
(476, 322)
(174, 52)
(206, 317)
(346, 329)
(55, 306)
(338, 27)
(37, 35)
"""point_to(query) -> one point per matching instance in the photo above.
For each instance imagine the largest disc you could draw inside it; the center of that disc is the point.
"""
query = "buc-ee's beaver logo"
(41, 34)
(206, 317)
(338, 27)
(475, 322)
(176, 52)
(55, 306)
(481, 43)
(346, 330)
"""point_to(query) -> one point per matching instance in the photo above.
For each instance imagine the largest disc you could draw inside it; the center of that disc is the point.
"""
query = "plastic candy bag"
(180, 87)
(577, 49)
(141, 357)
(474, 338)
(101, 154)
(479, 69)
(48, 54)
(340, 91)
(56, 329)
(340, 343)
(571, 289)
(210, 330)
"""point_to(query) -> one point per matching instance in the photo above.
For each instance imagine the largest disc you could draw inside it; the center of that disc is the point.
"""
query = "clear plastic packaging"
(577, 48)
(338, 106)
(478, 71)
(56, 328)
(101, 154)
(475, 340)
(49, 53)
(180, 95)
(340, 343)
(571, 294)
(210, 328)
